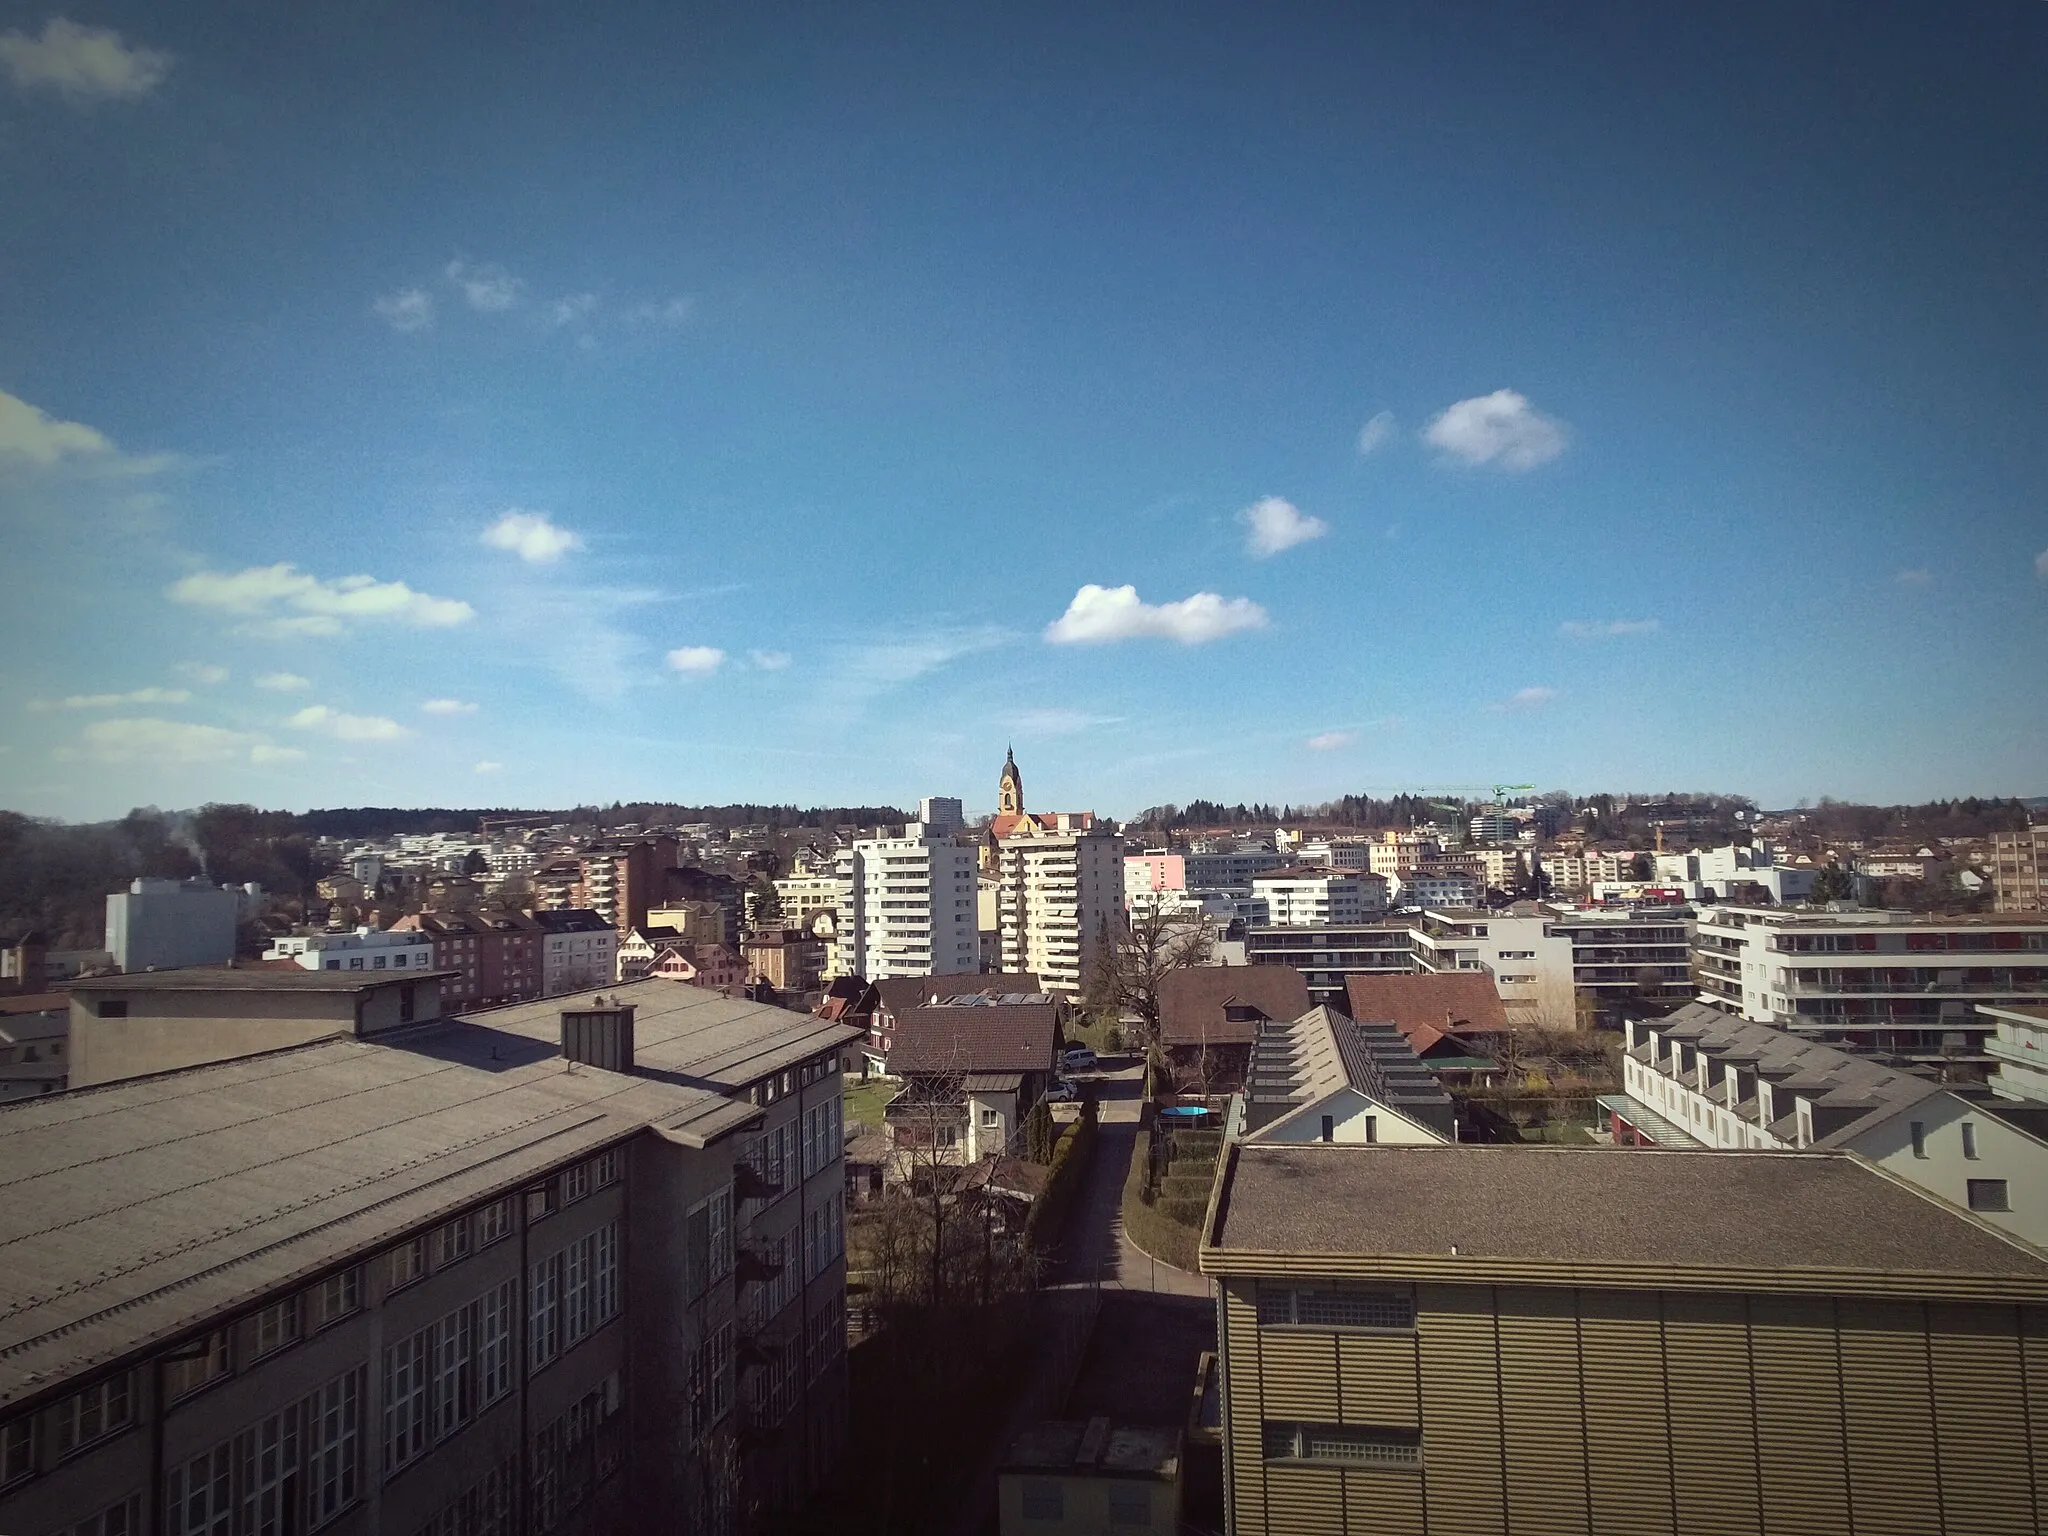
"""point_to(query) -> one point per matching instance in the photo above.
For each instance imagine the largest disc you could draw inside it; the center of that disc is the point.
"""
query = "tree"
(1832, 884)
(1041, 1135)
(1130, 967)
(764, 906)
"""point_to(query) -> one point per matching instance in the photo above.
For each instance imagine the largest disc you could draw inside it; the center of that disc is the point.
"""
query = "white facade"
(1891, 983)
(1338, 853)
(1231, 867)
(576, 954)
(164, 924)
(1300, 898)
(1056, 891)
(1455, 890)
(364, 949)
(2021, 1050)
(908, 909)
(1531, 965)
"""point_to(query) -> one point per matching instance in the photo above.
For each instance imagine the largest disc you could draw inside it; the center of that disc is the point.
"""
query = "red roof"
(1425, 1008)
(1196, 1005)
(976, 1037)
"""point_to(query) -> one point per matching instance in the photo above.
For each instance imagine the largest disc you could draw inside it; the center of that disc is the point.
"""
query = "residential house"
(1323, 1077)
(1452, 1020)
(494, 956)
(972, 1066)
(579, 950)
(1209, 1016)
(894, 996)
(35, 1037)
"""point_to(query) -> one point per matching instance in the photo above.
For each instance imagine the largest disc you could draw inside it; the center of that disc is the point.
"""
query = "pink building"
(1154, 872)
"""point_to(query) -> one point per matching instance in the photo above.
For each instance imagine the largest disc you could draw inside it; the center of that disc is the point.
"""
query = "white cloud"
(1332, 741)
(1523, 699)
(82, 62)
(114, 700)
(696, 660)
(769, 661)
(486, 287)
(488, 766)
(1276, 524)
(342, 727)
(1104, 615)
(1914, 578)
(1501, 429)
(145, 739)
(1376, 434)
(201, 672)
(447, 707)
(532, 536)
(1058, 722)
(322, 606)
(571, 308)
(2041, 565)
(283, 682)
(1603, 629)
(43, 440)
(405, 311)
(264, 752)
(670, 312)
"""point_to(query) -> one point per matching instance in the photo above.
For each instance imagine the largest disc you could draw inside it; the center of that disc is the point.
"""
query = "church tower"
(1010, 788)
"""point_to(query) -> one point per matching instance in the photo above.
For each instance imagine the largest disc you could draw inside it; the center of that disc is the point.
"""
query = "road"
(1095, 1251)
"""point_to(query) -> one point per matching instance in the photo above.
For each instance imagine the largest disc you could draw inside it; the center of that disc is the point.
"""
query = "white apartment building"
(1699, 1079)
(1337, 853)
(2020, 1047)
(1892, 984)
(908, 908)
(1212, 868)
(1439, 890)
(166, 924)
(579, 950)
(1056, 894)
(1308, 897)
(1531, 965)
(362, 949)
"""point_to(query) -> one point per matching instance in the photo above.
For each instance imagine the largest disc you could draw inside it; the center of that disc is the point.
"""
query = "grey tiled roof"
(133, 1211)
(265, 978)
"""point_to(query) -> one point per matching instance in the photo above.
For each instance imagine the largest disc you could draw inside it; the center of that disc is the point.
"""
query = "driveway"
(1095, 1251)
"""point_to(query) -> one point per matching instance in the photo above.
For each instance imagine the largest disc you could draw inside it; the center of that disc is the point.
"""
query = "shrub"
(1113, 1040)
(1048, 1216)
(1186, 1186)
(1148, 1224)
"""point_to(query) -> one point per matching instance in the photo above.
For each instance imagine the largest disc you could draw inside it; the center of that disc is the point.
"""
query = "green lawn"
(864, 1101)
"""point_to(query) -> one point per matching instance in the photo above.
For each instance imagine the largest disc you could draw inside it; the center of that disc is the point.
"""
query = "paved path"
(1095, 1251)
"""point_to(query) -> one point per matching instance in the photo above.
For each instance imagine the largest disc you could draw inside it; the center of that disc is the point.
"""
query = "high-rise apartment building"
(2019, 869)
(1312, 896)
(1896, 985)
(941, 815)
(907, 908)
(1059, 886)
(418, 1280)
(1483, 1341)
(161, 924)
(578, 950)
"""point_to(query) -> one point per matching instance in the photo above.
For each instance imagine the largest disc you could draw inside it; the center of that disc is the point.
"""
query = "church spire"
(1010, 787)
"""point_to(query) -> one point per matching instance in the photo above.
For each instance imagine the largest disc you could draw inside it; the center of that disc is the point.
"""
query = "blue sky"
(518, 404)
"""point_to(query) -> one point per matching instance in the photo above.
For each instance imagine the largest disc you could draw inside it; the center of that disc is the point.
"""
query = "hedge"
(1048, 1216)
(1187, 1186)
(1149, 1227)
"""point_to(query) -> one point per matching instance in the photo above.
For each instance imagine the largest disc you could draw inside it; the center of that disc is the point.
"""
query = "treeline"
(1350, 811)
(1970, 817)
(393, 821)
(55, 878)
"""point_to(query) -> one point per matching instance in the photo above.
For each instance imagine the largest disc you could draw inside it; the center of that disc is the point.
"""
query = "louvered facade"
(1499, 1392)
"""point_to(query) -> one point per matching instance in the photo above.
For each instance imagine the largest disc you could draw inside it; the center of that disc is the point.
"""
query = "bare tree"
(1137, 955)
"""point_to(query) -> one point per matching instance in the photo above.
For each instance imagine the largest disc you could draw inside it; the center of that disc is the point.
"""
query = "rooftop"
(1224, 1004)
(1298, 1062)
(131, 1212)
(1602, 1213)
(251, 978)
(1425, 1007)
(1008, 1037)
(1094, 1448)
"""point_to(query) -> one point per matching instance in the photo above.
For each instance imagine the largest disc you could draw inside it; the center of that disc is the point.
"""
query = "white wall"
(1350, 1110)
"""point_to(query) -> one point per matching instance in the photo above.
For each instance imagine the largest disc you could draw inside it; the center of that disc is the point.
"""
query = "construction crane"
(1502, 791)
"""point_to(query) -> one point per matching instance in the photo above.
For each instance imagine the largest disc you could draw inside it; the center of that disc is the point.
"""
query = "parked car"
(1078, 1058)
(1061, 1091)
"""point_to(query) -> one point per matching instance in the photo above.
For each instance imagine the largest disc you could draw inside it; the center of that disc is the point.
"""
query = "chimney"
(599, 1037)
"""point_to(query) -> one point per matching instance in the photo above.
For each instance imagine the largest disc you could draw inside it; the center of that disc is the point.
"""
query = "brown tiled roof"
(976, 1037)
(1452, 1002)
(900, 993)
(1194, 1003)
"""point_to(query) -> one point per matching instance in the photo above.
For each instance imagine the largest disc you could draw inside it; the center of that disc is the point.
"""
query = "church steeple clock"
(1010, 788)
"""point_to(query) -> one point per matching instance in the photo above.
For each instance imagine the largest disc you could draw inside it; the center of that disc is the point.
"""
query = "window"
(494, 1344)
(1285, 1307)
(990, 1119)
(606, 1166)
(333, 1437)
(199, 1364)
(539, 1201)
(405, 1399)
(575, 1183)
(1988, 1195)
(1130, 1504)
(1919, 1138)
(451, 1241)
(199, 1497)
(1343, 1444)
(275, 1326)
(1372, 1128)
(335, 1298)
(544, 1313)
(100, 1410)
(406, 1263)
(17, 1448)
(120, 1519)
(1044, 1499)
(493, 1222)
(1970, 1140)
(112, 1007)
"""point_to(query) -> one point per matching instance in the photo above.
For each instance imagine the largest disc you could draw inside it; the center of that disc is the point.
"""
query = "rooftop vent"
(599, 1037)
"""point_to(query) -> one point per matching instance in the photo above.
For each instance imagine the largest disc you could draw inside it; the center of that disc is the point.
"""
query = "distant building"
(1698, 1079)
(2019, 869)
(1419, 1338)
(1308, 896)
(162, 924)
(1423, 887)
(941, 815)
(2020, 1047)
(1209, 1017)
(495, 956)
(789, 959)
(1895, 985)
(358, 949)
(908, 908)
(1324, 1077)
(1327, 955)
(579, 950)
(35, 1037)
(1059, 886)
(973, 1065)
